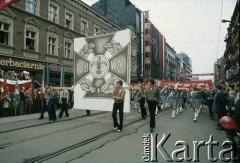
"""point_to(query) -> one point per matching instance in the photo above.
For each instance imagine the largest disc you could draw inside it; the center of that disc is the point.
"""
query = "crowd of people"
(221, 100)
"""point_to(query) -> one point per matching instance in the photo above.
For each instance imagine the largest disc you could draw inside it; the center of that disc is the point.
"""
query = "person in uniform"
(63, 99)
(142, 100)
(152, 100)
(118, 97)
(180, 105)
(164, 96)
(177, 97)
(172, 102)
(196, 103)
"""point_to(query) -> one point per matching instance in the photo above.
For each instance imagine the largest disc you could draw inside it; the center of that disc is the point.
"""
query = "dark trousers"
(51, 110)
(64, 108)
(43, 108)
(152, 108)
(210, 110)
(220, 113)
(88, 112)
(143, 109)
(116, 107)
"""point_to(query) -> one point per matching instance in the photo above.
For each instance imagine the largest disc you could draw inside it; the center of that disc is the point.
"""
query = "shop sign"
(10, 62)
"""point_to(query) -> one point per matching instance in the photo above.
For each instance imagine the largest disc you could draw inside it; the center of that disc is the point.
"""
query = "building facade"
(126, 15)
(172, 64)
(38, 36)
(228, 67)
(186, 65)
(219, 70)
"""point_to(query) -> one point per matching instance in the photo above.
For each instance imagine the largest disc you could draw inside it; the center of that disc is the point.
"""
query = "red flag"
(4, 93)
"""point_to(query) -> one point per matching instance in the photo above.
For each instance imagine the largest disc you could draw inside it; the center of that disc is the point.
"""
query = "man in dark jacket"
(219, 101)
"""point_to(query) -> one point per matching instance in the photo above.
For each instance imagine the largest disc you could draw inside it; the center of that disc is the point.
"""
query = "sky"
(191, 26)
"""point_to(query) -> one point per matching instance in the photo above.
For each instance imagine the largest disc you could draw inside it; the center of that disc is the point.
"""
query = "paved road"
(90, 139)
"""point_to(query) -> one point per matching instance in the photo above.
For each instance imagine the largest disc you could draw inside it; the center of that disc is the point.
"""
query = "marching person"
(164, 95)
(63, 99)
(172, 102)
(196, 103)
(142, 100)
(118, 96)
(181, 101)
(152, 100)
(177, 97)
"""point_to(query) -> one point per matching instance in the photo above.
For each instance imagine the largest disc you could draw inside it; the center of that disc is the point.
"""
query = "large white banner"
(99, 62)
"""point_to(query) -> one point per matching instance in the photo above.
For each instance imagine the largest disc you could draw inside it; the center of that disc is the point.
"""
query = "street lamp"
(224, 21)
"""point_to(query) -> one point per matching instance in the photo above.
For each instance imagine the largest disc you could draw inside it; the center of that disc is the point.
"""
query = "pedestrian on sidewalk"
(52, 104)
(71, 98)
(209, 96)
(63, 99)
(142, 100)
(88, 112)
(152, 100)
(219, 103)
(118, 96)
(44, 99)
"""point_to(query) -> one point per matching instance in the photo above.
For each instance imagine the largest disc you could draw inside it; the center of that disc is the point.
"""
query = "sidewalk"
(72, 113)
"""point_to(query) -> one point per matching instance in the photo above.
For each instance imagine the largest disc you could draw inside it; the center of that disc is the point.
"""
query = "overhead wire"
(219, 29)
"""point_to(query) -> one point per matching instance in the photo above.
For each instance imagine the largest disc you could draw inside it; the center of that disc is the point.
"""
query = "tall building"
(126, 15)
(38, 36)
(186, 65)
(172, 64)
(231, 60)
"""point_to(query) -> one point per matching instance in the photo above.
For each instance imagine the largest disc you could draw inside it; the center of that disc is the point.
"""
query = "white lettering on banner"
(82, 67)
(117, 65)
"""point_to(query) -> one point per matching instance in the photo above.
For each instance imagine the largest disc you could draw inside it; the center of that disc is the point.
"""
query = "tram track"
(2, 146)
(84, 142)
(47, 123)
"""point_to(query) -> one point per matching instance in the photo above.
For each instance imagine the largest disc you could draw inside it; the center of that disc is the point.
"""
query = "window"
(146, 31)
(30, 40)
(4, 33)
(84, 27)
(147, 54)
(51, 46)
(96, 30)
(147, 43)
(52, 13)
(69, 21)
(31, 6)
(67, 50)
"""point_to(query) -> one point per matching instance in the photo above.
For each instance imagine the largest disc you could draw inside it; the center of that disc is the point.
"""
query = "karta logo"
(154, 147)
